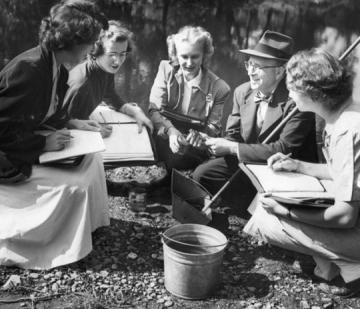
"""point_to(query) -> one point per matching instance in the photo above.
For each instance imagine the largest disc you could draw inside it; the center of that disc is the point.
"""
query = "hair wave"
(191, 34)
(320, 76)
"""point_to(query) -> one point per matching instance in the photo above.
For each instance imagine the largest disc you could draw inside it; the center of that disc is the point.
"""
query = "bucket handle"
(191, 245)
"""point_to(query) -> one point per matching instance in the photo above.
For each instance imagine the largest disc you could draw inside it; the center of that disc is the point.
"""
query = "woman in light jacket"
(185, 95)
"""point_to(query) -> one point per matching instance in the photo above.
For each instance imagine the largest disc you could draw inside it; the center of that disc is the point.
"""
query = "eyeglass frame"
(123, 54)
(248, 64)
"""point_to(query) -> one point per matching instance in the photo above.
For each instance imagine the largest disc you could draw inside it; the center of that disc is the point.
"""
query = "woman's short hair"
(117, 32)
(71, 23)
(320, 76)
(193, 35)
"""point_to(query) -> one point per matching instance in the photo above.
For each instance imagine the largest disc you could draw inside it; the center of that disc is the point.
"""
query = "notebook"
(124, 145)
(81, 143)
(289, 187)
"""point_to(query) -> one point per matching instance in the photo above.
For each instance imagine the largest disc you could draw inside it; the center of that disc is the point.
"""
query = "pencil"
(46, 126)
(102, 117)
(287, 156)
(118, 122)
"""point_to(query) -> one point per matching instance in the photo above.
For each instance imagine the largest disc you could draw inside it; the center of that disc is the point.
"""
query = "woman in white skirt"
(319, 83)
(47, 214)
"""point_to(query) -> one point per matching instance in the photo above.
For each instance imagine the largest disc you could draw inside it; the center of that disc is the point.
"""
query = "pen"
(118, 122)
(287, 156)
(46, 126)
(103, 118)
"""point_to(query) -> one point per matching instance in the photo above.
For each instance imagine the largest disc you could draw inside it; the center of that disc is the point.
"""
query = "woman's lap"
(48, 220)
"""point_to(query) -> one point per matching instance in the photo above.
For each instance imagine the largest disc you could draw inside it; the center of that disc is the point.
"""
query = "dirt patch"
(125, 269)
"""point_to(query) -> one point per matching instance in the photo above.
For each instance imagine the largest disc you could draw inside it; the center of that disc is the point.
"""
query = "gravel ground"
(125, 269)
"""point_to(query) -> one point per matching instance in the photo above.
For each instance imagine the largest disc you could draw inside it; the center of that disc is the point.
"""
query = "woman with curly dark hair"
(92, 82)
(319, 83)
(48, 213)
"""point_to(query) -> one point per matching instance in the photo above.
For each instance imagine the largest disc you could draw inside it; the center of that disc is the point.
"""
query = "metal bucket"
(193, 255)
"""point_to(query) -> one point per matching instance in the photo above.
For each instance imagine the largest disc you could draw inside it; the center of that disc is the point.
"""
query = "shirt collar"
(195, 82)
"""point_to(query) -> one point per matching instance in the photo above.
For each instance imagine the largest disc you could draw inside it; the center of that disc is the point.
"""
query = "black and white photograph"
(179, 154)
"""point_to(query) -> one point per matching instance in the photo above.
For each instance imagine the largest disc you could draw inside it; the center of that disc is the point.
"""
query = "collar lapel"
(274, 113)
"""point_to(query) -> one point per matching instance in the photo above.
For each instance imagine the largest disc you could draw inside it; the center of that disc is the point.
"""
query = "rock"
(168, 303)
(132, 256)
(14, 280)
(34, 276)
(161, 281)
(58, 274)
(55, 287)
(104, 273)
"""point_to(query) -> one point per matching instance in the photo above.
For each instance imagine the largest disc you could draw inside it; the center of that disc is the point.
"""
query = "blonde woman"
(185, 95)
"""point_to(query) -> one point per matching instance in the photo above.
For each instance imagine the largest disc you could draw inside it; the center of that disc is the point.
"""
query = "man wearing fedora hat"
(258, 107)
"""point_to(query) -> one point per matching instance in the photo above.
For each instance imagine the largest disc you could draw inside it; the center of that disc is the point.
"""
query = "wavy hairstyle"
(320, 76)
(193, 35)
(117, 32)
(71, 23)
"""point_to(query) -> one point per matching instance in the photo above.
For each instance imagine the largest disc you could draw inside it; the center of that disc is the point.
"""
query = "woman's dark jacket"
(25, 93)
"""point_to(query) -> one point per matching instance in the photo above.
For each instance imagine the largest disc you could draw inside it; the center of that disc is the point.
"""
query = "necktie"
(262, 101)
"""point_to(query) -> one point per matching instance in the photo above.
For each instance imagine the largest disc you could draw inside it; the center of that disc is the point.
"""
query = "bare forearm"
(130, 109)
(340, 215)
(317, 170)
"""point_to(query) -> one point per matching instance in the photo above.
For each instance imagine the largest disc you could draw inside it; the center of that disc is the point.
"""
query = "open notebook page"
(105, 114)
(126, 143)
(284, 181)
(83, 142)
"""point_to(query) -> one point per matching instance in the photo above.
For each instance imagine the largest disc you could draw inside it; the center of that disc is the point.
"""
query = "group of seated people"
(47, 213)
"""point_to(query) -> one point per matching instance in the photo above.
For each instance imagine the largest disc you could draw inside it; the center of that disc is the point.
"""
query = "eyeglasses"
(117, 55)
(256, 67)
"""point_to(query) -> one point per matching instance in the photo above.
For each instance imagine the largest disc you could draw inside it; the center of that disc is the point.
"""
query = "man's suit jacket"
(296, 137)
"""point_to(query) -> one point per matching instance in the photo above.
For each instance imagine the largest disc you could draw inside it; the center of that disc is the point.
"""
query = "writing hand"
(282, 162)
(106, 131)
(57, 140)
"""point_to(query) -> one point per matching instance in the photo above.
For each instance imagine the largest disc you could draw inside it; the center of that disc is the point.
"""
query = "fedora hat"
(272, 45)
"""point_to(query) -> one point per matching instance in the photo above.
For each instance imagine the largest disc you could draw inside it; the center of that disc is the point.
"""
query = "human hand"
(196, 138)
(86, 125)
(57, 140)
(273, 207)
(282, 162)
(221, 146)
(142, 120)
(176, 140)
(106, 131)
